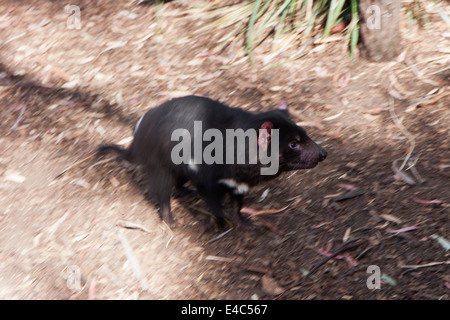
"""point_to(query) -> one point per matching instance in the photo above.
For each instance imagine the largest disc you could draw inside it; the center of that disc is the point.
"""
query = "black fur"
(152, 148)
(111, 147)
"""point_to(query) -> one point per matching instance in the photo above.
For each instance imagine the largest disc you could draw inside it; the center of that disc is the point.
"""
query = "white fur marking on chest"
(239, 188)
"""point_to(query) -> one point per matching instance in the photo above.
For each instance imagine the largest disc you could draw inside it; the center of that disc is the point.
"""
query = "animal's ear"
(283, 106)
(265, 133)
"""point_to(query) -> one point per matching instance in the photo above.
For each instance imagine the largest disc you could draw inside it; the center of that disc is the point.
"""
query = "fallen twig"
(406, 229)
(439, 71)
(132, 259)
(431, 264)
(349, 245)
(269, 225)
(22, 111)
(91, 291)
(55, 226)
(132, 225)
(442, 241)
(242, 265)
(399, 124)
(348, 186)
(363, 253)
(74, 165)
(426, 101)
(397, 86)
(415, 172)
(390, 218)
(352, 262)
(348, 195)
(221, 259)
(401, 174)
(434, 201)
(116, 45)
(252, 213)
(220, 235)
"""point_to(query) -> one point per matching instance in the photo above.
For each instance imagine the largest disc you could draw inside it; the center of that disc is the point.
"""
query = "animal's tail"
(105, 148)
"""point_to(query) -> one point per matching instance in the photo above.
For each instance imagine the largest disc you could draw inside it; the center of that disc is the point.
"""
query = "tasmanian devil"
(219, 149)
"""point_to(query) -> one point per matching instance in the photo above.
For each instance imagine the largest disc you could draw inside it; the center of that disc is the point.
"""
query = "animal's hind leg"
(236, 216)
(182, 191)
(164, 210)
(160, 185)
(213, 198)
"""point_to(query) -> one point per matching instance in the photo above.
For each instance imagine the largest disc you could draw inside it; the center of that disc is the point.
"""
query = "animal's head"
(296, 149)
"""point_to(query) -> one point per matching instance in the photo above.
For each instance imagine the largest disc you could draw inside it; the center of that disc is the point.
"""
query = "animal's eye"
(293, 144)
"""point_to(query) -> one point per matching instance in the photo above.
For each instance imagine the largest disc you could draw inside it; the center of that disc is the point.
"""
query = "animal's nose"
(323, 154)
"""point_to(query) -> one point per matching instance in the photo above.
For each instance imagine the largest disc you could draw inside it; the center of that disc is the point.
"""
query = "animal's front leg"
(213, 197)
(236, 216)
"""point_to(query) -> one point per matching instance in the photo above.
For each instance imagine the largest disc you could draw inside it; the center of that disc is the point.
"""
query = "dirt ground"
(73, 229)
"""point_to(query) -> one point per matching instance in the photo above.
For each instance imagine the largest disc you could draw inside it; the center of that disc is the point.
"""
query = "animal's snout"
(322, 154)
